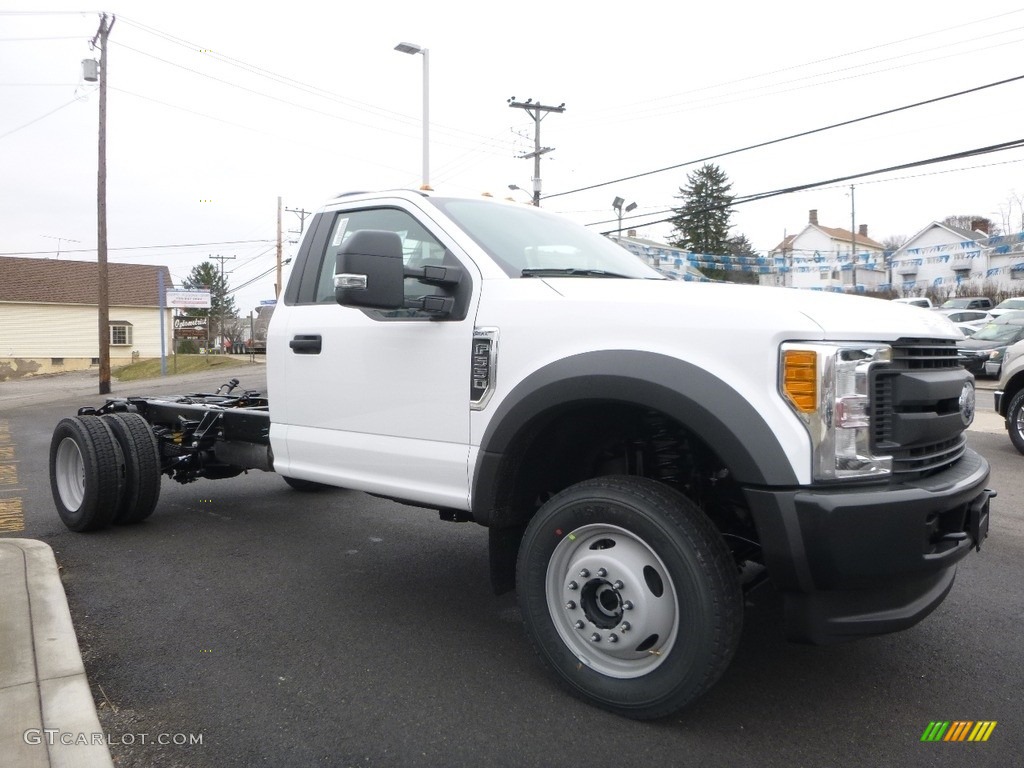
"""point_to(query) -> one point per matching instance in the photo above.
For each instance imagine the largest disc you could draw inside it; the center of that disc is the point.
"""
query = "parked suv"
(1009, 394)
(967, 302)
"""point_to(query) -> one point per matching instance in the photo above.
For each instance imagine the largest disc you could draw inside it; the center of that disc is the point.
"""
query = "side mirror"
(369, 271)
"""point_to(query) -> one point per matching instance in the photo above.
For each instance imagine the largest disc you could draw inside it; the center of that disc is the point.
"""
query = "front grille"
(916, 407)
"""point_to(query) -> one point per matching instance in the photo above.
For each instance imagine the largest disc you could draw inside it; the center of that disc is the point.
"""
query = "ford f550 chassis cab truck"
(642, 450)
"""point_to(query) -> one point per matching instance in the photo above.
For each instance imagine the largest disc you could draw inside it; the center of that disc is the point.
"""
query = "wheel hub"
(612, 601)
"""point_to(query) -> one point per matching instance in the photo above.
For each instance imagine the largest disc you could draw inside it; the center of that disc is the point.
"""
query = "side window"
(419, 247)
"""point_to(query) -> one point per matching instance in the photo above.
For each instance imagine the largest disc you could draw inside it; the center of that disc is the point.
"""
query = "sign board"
(190, 327)
(268, 302)
(186, 299)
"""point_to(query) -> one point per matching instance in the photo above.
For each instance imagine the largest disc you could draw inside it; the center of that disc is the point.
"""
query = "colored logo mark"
(958, 730)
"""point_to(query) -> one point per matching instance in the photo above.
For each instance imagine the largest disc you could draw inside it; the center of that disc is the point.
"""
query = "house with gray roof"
(946, 258)
(49, 314)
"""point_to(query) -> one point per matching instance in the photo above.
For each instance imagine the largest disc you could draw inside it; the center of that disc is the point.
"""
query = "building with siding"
(828, 259)
(49, 314)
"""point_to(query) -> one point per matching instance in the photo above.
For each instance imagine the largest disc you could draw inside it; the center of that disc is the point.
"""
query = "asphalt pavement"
(50, 715)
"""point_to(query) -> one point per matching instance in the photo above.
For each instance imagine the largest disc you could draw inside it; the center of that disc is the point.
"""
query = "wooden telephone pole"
(538, 112)
(101, 210)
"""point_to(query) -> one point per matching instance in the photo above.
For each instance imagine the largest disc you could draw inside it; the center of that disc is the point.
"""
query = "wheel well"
(584, 440)
(1013, 386)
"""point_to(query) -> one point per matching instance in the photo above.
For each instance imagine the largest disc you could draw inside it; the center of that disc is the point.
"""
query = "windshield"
(528, 242)
(997, 332)
(1011, 304)
(956, 303)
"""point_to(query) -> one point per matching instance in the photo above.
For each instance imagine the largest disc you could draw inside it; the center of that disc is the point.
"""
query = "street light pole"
(617, 205)
(412, 48)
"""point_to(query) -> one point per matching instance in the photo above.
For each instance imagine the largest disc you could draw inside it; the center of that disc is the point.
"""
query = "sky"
(217, 109)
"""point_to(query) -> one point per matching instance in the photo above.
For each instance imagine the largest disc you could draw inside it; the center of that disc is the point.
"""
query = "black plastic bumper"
(865, 561)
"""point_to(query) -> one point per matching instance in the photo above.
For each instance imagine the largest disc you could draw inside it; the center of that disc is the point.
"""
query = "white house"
(49, 314)
(828, 258)
(944, 258)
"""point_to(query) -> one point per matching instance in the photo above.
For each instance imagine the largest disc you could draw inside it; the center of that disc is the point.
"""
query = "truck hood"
(837, 316)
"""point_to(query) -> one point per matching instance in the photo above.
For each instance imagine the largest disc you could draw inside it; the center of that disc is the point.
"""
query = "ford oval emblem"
(967, 403)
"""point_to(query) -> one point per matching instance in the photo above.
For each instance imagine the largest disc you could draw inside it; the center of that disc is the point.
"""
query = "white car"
(1007, 305)
(916, 301)
(967, 320)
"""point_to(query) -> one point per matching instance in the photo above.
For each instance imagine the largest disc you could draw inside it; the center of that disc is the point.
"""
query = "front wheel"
(1015, 421)
(629, 595)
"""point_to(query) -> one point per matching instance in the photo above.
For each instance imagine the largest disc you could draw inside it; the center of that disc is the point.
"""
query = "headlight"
(827, 386)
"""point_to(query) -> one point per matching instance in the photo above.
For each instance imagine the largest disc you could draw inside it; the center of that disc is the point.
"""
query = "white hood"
(802, 312)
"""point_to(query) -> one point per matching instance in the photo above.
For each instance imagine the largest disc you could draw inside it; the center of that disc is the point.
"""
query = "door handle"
(306, 344)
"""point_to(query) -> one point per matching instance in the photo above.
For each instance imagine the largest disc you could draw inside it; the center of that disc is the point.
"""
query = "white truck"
(641, 450)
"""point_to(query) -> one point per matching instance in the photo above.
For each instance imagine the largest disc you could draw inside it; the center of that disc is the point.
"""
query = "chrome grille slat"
(917, 355)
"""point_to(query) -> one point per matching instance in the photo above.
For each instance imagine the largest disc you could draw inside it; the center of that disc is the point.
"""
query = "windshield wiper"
(570, 272)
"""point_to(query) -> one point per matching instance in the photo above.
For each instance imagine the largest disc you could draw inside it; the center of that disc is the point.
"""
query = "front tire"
(86, 473)
(630, 595)
(1015, 421)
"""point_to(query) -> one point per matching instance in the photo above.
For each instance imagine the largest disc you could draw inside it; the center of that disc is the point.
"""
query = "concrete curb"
(49, 715)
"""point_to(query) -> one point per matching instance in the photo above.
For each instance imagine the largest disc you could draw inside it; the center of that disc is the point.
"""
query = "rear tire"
(142, 467)
(629, 595)
(1015, 421)
(86, 473)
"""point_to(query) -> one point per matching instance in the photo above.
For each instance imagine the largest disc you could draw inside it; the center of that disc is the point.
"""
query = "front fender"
(699, 401)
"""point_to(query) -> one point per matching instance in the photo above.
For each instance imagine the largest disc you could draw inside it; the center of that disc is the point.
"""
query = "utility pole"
(302, 214)
(101, 210)
(277, 283)
(538, 112)
(853, 240)
(223, 294)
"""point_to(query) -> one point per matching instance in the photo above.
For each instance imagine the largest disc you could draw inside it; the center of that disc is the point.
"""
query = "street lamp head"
(617, 203)
(630, 207)
(409, 48)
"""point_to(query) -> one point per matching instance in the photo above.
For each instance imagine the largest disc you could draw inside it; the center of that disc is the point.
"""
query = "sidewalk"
(49, 716)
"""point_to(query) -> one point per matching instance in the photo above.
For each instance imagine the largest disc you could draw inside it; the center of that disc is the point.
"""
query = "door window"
(419, 249)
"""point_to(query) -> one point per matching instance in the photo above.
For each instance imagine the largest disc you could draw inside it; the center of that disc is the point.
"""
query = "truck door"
(374, 400)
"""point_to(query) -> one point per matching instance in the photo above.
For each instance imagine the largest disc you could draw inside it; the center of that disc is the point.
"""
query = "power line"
(136, 247)
(742, 199)
(792, 136)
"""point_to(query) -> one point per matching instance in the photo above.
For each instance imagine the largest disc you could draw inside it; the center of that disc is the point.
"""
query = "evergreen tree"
(701, 224)
(207, 275)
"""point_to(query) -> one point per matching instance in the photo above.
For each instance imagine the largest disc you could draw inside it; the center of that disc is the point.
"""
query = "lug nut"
(602, 572)
(579, 625)
(584, 573)
(573, 585)
(570, 606)
(595, 638)
(613, 638)
(618, 584)
(625, 627)
(627, 606)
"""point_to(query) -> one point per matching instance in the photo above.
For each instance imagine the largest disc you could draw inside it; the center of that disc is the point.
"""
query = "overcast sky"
(217, 108)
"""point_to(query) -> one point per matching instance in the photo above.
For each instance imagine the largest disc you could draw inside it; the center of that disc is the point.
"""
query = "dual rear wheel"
(103, 470)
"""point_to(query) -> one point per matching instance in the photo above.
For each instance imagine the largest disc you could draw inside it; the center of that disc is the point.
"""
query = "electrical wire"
(742, 199)
(792, 136)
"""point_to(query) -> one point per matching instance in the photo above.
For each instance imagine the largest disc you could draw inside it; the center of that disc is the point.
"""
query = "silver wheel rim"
(612, 601)
(1018, 423)
(69, 471)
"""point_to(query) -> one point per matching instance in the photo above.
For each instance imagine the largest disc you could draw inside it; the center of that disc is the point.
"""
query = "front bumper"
(870, 560)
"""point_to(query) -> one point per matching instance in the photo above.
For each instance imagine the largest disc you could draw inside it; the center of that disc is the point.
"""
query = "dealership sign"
(189, 299)
(190, 327)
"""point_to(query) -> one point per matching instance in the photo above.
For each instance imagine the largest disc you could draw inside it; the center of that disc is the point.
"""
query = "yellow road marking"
(12, 516)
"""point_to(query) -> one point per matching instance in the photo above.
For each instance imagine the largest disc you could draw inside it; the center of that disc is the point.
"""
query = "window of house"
(120, 334)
